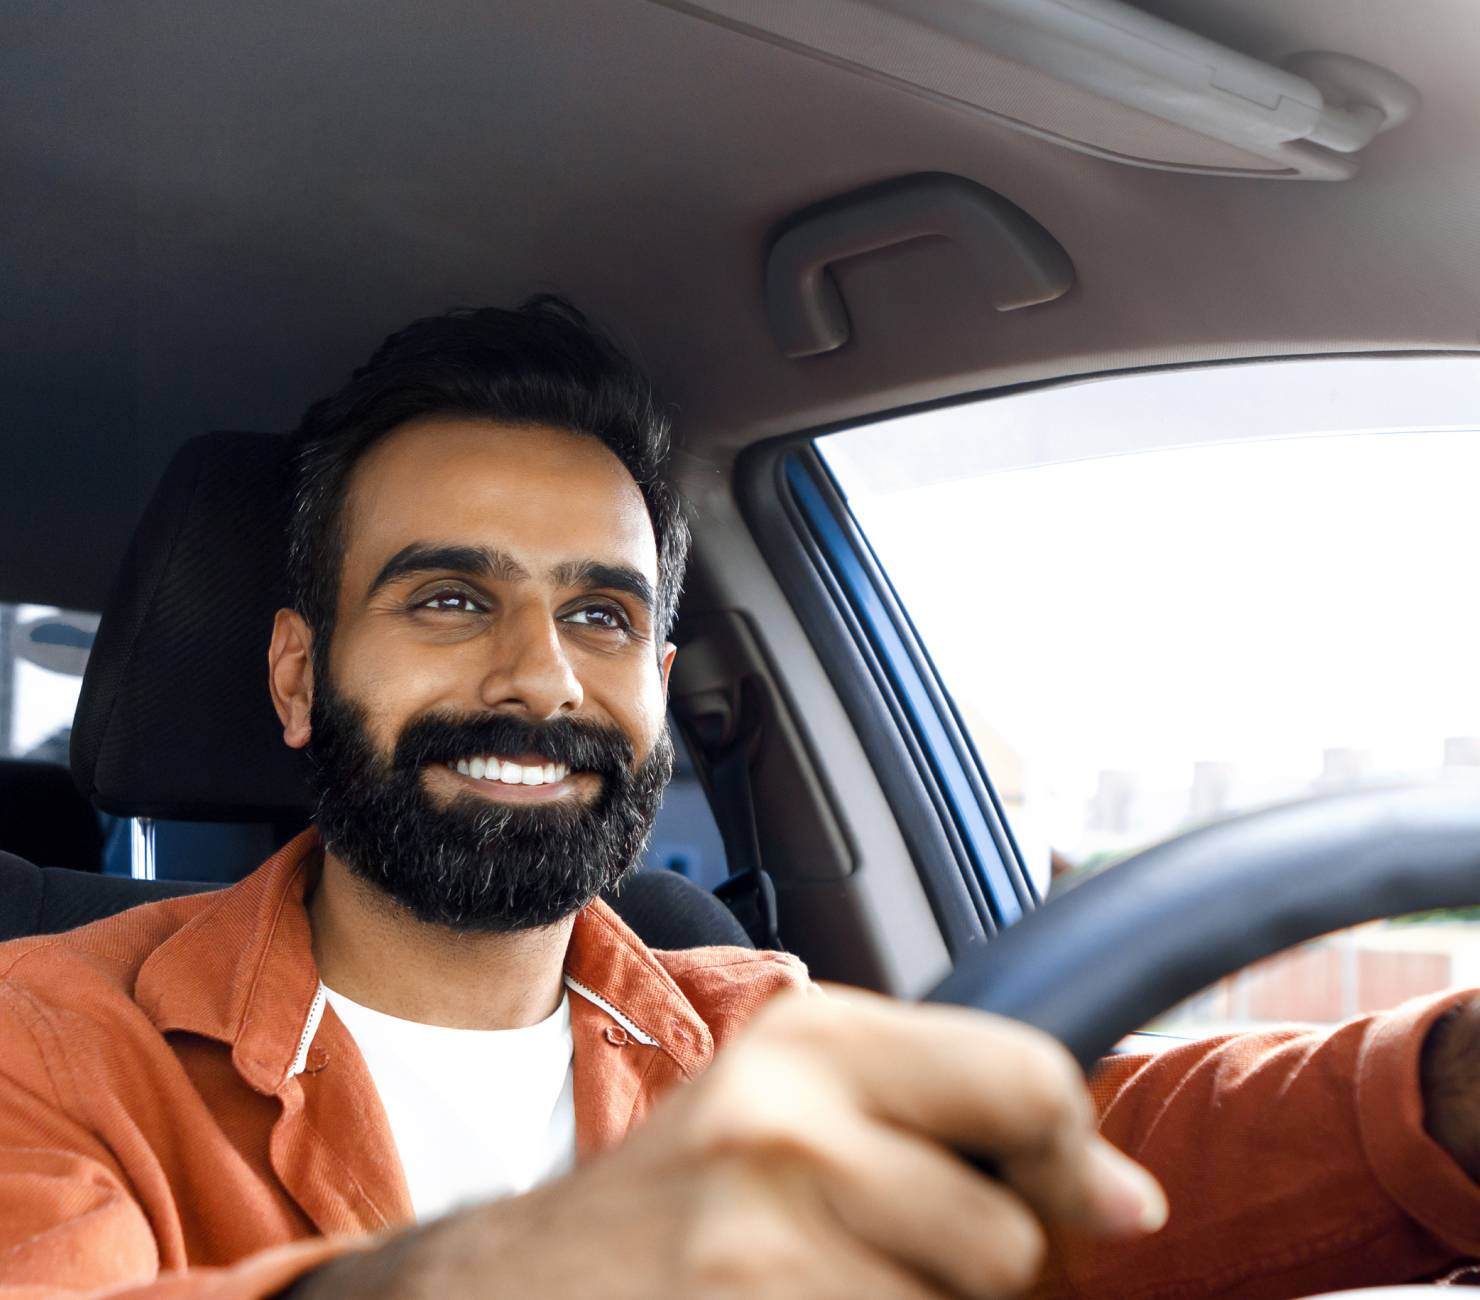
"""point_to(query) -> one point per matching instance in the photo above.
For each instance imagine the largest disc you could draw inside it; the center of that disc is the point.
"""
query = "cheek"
(394, 685)
(642, 712)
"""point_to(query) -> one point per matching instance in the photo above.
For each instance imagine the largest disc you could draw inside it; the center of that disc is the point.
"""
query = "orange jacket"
(169, 1126)
(166, 1131)
(1295, 1162)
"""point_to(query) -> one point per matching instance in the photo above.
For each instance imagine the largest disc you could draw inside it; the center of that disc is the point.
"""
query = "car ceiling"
(214, 211)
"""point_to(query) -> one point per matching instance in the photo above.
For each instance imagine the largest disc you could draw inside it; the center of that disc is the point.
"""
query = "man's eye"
(602, 616)
(457, 602)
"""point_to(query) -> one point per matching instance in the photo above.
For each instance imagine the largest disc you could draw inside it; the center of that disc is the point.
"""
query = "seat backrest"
(663, 909)
(48, 900)
(44, 818)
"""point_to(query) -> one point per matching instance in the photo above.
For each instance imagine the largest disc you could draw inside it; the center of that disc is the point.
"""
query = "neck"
(376, 953)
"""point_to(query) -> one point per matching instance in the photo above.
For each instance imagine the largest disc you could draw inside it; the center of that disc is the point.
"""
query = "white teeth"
(489, 767)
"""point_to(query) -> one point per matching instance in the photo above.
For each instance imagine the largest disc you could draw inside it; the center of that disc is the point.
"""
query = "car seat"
(43, 817)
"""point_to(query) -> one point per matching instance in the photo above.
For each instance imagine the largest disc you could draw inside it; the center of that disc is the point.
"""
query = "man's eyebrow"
(427, 557)
(489, 562)
(616, 577)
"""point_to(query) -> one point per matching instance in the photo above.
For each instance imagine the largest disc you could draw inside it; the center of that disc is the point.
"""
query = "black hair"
(542, 364)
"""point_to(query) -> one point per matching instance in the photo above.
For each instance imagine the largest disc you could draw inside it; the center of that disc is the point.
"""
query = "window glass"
(43, 651)
(1163, 599)
(42, 816)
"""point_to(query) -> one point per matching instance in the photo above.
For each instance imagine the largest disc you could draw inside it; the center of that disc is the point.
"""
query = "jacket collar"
(611, 967)
(241, 971)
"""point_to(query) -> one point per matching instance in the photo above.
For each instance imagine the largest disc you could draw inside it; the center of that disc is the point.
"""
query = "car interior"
(799, 219)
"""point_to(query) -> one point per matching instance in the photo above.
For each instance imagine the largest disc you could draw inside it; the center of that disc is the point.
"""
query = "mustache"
(580, 745)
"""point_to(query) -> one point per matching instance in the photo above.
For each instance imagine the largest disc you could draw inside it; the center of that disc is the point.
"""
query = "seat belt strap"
(749, 892)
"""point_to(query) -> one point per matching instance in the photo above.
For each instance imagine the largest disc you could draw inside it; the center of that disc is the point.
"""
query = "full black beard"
(472, 865)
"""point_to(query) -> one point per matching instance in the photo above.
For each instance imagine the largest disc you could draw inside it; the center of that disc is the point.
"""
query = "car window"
(1164, 599)
(43, 650)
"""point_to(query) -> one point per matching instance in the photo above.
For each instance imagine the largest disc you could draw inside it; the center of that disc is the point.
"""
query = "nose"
(529, 673)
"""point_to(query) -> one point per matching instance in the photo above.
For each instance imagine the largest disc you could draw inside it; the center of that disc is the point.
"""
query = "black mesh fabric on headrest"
(667, 910)
(174, 719)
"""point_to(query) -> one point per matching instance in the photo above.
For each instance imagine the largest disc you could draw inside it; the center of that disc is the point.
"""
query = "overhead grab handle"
(1017, 259)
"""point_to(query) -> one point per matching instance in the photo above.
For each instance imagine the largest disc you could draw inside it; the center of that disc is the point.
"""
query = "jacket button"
(616, 1035)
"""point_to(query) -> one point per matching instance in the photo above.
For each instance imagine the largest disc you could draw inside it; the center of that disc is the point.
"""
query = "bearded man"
(414, 1054)
(387, 1061)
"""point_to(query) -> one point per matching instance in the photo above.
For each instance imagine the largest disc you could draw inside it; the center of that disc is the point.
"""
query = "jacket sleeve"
(70, 1226)
(1295, 1163)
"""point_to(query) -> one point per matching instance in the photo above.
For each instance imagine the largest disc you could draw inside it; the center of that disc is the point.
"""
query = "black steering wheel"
(1118, 950)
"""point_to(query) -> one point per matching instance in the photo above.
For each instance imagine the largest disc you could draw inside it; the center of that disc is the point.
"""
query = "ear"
(665, 664)
(290, 675)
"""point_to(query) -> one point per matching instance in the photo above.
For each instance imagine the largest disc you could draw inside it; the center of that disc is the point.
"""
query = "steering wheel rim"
(1110, 955)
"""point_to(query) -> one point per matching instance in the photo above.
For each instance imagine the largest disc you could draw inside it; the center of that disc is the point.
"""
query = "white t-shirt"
(476, 1113)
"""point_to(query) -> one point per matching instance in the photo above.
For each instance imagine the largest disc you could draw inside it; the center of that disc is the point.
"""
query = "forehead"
(543, 495)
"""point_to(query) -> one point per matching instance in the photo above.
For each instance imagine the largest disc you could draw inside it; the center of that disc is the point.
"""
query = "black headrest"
(174, 718)
(42, 817)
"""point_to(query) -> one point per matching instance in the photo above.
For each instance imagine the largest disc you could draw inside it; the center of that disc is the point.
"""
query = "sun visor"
(1100, 77)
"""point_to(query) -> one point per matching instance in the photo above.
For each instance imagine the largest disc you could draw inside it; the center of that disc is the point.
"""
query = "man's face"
(489, 733)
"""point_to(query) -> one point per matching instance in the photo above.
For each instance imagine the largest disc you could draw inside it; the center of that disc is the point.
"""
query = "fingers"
(1088, 1184)
(925, 1208)
(986, 1086)
(975, 1081)
(778, 1236)
(868, 1273)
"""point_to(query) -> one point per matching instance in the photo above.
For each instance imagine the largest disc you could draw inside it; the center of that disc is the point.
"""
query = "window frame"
(938, 790)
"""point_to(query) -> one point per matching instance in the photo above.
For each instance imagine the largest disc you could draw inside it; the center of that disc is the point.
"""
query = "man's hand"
(817, 1157)
(1450, 1075)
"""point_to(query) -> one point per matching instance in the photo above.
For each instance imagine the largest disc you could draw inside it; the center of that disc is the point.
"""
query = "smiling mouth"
(500, 770)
